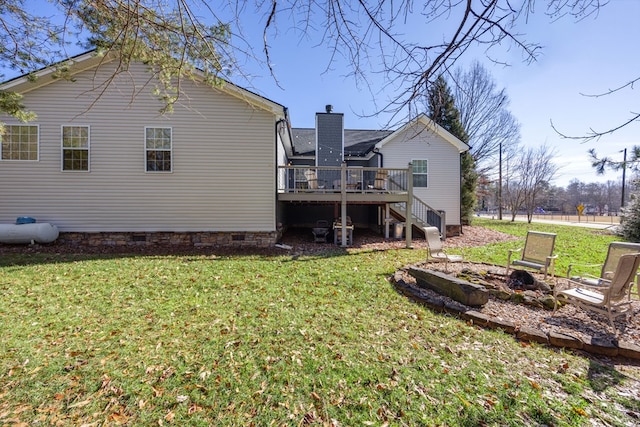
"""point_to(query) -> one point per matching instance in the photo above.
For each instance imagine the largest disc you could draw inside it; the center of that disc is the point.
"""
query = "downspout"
(386, 219)
(278, 225)
(408, 217)
(461, 181)
(284, 122)
(287, 122)
(343, 202)
(380, 157)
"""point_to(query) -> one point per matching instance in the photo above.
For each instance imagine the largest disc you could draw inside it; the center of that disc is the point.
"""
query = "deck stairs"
(422, 216)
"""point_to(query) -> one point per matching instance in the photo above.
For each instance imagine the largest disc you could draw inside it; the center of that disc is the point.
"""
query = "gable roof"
(88, 60)
(430, 125)
(357, 143)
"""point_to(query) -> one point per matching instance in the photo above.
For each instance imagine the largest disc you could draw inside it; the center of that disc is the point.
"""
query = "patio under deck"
(364, 185)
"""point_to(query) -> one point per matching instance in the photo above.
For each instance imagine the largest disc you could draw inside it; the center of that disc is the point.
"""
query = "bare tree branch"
(536, 169)
(595, 135)
(374, 37)
(485, 116)
(629, 84)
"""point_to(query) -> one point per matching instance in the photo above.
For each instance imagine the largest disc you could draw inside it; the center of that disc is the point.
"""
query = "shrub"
(630, 220)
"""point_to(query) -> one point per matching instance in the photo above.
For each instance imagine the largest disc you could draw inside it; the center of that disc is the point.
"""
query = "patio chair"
(611, 297)
(320, 231)
(614, 252)
(380, 181)
(337, 231)
(312, 180)
(435, 250)
(537, 253)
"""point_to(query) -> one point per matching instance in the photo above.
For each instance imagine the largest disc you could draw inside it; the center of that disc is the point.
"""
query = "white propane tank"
(42, 232)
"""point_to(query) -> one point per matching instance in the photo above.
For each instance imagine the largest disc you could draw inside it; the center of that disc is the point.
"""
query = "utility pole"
(500, 181)
(624, 170)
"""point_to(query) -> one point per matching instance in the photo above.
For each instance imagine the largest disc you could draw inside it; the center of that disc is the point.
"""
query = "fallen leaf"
(119, 418)
(193, 408)
(580, 411)
(36, 369)
(80, 404)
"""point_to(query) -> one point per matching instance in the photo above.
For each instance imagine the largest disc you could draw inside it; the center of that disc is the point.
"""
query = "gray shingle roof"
(357, 143)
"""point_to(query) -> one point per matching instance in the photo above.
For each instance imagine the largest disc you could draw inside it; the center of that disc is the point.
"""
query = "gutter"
(380, 157)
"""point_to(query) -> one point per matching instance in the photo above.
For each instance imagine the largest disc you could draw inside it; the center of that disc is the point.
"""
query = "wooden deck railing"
(293, 179)
(391, 186)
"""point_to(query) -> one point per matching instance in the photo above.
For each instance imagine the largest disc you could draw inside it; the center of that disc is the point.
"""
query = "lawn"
(278, 340)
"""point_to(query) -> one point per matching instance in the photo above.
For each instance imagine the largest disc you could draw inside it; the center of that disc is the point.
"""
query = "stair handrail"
(427, 214)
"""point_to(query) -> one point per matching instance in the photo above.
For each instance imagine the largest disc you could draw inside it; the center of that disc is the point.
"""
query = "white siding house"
(107, 160)
(104, 165)
(378, 166)
(435, 156)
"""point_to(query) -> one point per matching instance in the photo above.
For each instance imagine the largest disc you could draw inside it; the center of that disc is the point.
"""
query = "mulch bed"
(568, 319)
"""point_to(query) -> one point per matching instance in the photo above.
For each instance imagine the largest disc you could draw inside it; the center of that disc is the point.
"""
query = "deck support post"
(387, 220)
(343, 202)
(408, 227)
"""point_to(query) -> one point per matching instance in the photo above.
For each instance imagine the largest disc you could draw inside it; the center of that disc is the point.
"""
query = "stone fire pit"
(516, 307)
(473, 287)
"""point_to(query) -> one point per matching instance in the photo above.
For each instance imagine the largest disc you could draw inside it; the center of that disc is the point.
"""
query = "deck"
(348, 185)
(363, 185)
(389, 187)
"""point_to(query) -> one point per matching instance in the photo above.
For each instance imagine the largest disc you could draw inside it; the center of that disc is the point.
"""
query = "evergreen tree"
(166, 36)
(630, 220)
(442, 110)
(468, 186)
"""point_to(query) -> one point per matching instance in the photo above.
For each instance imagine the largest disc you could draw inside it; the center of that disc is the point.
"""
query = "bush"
(630, 220)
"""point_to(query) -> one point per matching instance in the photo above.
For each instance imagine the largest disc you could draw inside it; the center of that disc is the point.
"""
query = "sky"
(586, 57)
(591, 56)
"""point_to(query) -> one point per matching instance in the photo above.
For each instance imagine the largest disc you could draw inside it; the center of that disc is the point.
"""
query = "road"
(597, 222)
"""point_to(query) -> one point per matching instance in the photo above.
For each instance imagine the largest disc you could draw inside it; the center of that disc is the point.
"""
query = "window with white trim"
(158, 148)
(75, 148)
(20, 142)
(420, 173)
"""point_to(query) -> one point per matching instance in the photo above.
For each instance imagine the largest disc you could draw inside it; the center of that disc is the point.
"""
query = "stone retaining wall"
(196, 239)
(453, 230)
(594, 346)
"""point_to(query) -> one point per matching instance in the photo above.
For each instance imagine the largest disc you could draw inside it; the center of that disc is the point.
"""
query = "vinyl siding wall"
(443, 191)
(223, 160)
